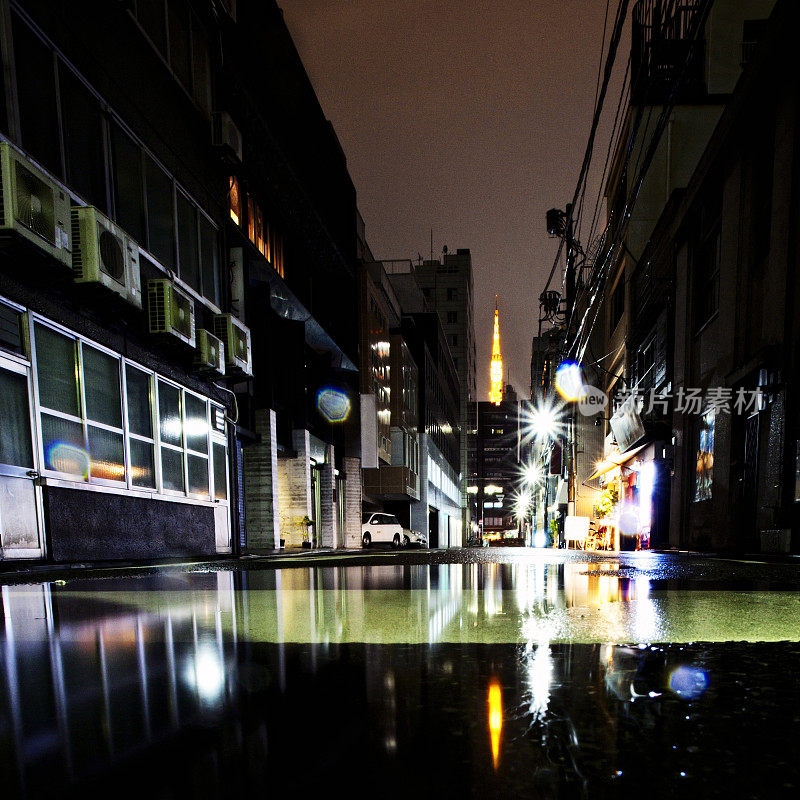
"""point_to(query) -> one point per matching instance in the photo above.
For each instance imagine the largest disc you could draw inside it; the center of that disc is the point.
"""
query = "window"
(83, 139)
(138, 387)
(187, 242)
(93, 431)
(704, 470)
(152, 17)
(209, 260)
(180, 48)
(36, 95)
(128, 184)
(452, 294)
(160, 214)
(452, 316)
(176, 32)
(263, 235)
(453, 339)
(234, 201)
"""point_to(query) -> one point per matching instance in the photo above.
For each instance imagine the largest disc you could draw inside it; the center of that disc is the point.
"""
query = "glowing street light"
(544, 422)
(532, 474)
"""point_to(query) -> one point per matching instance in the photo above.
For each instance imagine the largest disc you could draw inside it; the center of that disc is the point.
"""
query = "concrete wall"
(294, 489)
(351, 536)
(261, 485)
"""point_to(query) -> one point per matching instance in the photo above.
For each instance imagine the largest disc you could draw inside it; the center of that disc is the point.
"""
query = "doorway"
(433, 527)
(20, 497)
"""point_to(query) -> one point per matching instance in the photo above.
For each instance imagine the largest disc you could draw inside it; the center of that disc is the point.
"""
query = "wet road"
(463, 673)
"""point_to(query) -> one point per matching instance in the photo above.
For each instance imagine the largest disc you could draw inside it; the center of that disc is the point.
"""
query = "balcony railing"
(391, 482)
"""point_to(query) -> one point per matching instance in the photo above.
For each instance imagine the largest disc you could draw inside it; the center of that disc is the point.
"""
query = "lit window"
(234, 200)
(704, 471)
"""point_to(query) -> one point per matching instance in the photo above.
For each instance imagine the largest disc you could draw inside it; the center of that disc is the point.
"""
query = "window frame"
(126, 486)
(109, 118)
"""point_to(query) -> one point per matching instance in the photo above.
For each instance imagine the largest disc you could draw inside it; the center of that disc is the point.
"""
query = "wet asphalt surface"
(479, 673)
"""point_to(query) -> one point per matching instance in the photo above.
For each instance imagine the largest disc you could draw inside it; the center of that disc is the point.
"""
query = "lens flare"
(68, 458)
(569, 381)
(688, 682)
(333, 404)
(495, 720)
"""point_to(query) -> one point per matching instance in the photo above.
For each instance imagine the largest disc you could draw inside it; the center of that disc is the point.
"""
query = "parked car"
(378, 527)
(413, 538)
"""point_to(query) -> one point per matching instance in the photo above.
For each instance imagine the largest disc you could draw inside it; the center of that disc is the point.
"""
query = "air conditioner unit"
(33, 206)
(170, 311)
(210, 353)
(104, 254)
(236, 338)
(225, 136)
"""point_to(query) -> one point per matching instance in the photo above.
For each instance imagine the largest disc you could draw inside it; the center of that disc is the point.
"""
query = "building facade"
(160, 237)
(448, 289)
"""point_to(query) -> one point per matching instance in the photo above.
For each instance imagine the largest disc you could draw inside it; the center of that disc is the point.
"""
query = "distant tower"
(496, 374)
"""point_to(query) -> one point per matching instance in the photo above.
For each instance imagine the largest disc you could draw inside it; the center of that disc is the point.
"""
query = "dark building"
(439, 510)
(495, 474)
(178, 238)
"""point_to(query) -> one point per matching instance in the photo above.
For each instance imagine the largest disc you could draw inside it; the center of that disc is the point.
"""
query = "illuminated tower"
(496, 374)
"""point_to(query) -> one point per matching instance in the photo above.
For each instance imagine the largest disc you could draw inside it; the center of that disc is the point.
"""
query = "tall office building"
(447, 286)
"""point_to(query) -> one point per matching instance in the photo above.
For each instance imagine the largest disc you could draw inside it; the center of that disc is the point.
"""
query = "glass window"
(180, 54)
(56, 371)
(209, 260)
(169, 414)
(83, 139)
(234, 200)
(64, 449)
(196, 425)
(15, 421)
(101, 387)
(187, 242)
(152, 17)
(142, 466)
(172, 469)
(704, 470)
(160, 214)
(220, 472)
(36, 97)
(128, 184)
(201, 66)
(198, 475)
(106, 457)
(137, 384)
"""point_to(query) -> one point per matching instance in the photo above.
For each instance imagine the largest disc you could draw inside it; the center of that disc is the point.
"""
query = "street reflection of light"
(495, 720)
(207, 673)
(688, 682)
(539, 539)
(646, 622)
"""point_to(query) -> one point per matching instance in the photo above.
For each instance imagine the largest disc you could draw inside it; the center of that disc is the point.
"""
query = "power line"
(616, 34)
(669, 104)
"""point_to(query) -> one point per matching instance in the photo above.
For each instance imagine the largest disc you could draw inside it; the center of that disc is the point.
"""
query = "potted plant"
(306, 523)
(553, 532)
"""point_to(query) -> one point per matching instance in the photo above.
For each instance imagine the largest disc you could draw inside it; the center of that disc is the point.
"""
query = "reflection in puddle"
(229, 679)
(495, 720)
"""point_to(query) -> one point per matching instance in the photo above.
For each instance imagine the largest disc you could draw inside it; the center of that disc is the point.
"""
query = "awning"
(615, 460)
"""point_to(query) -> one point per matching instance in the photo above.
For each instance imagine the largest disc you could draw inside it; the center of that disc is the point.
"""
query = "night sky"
(468, 120)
